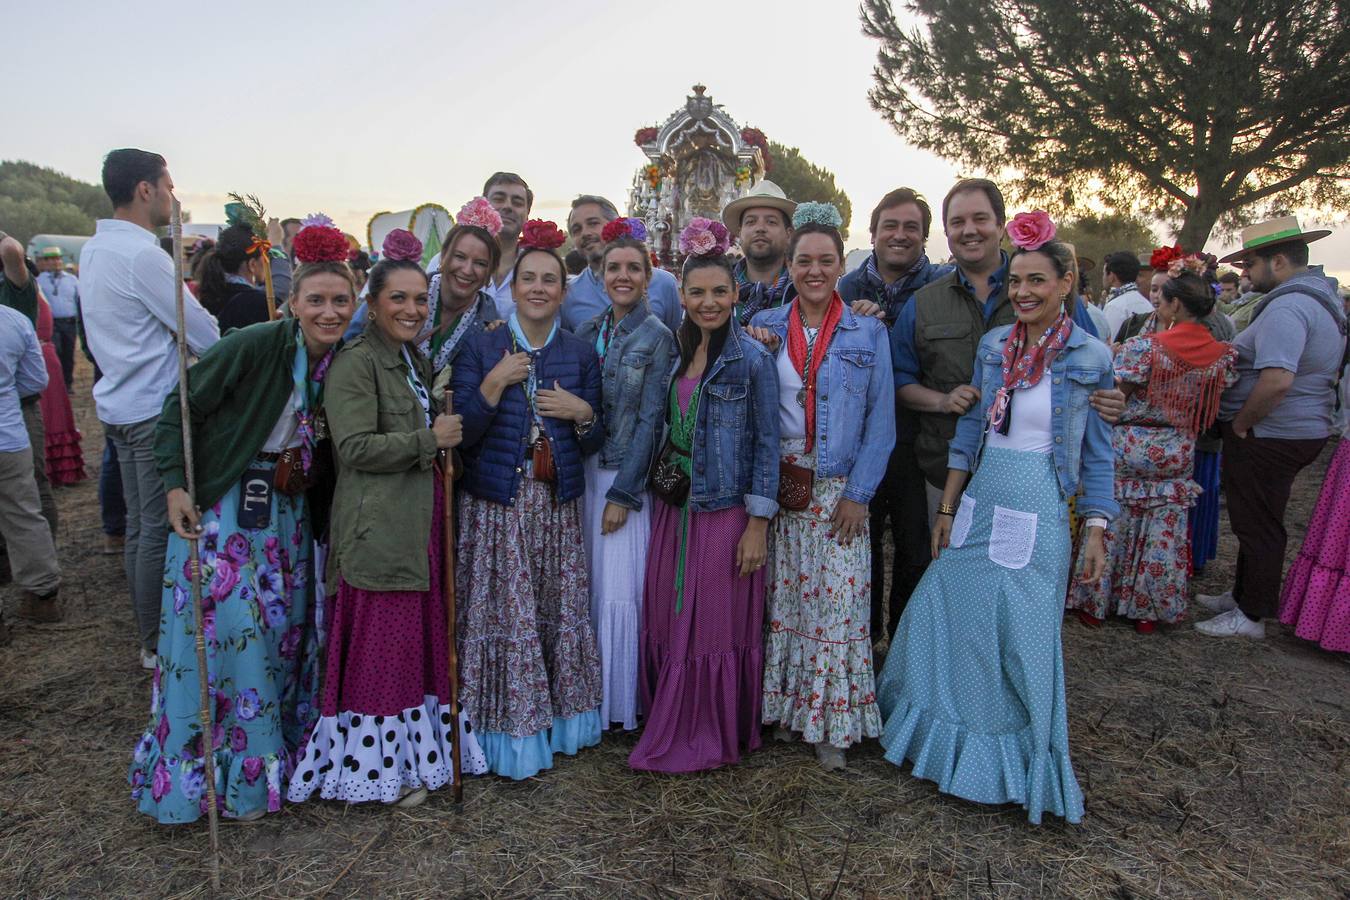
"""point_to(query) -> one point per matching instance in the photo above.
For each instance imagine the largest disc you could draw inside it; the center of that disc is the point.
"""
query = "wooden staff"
(267, 285)
(204, 709)
(448, 584)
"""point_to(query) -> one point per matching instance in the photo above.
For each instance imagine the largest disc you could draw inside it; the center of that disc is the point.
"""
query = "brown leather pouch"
(794, 486)
(542, 455)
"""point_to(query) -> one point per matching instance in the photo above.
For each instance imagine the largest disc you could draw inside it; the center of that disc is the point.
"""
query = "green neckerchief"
(682, 425)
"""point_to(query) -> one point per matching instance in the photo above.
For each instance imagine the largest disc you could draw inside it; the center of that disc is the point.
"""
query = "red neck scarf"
(1023, 366)
(797, 352)
(1187, 375)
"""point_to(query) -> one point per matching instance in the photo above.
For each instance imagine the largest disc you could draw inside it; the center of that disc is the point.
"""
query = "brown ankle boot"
(41, 609)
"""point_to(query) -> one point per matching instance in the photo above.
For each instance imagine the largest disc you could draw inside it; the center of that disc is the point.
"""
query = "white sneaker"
(148, 660)
(1233, 623)
(1217, 602)
(831, 758)
(409, 797)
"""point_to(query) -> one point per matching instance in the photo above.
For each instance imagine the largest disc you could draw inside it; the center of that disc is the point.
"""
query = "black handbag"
(667, 479)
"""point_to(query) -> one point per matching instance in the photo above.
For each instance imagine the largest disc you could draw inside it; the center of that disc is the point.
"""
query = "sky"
(353, 108)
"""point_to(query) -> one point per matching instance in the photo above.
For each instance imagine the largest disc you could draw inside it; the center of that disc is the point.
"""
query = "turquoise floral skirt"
(262, 655)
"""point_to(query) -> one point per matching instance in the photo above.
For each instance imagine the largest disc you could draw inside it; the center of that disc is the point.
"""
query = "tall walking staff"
(204, 710)
(448, 584)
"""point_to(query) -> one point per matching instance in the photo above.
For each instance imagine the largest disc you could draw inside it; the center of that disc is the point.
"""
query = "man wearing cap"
(1277, 417)
(586, 297)
(897, 268)
(62, 291)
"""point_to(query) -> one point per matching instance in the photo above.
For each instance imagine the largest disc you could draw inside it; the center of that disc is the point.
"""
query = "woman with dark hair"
(387, 727)
(635, 350)
(459, 307)
(1172, 376)
(972, 692)
(530, 396)
(225, 279)
(818, 677)
(257, 400)
(701, 650)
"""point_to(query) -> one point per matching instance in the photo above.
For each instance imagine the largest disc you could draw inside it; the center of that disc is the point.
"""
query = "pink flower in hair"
(704, 237)
(1031, 231)
(480, 214)
(401, 244)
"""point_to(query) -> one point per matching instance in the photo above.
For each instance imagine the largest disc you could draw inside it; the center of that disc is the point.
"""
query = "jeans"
(110, 501)
(63, 337)
(147, 523)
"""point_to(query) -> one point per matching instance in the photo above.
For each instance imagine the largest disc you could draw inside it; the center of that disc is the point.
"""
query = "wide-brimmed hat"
(767, 194)
(50, 253)
(1283, 230)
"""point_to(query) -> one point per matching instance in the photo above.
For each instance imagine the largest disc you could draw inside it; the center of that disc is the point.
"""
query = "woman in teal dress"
(972, 692)
(256, 400)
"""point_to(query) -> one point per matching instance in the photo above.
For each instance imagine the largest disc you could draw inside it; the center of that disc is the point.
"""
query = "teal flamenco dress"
(258, 601)
(972, 692)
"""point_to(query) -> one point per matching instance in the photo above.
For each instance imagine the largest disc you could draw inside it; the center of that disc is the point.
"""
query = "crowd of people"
(661, 498)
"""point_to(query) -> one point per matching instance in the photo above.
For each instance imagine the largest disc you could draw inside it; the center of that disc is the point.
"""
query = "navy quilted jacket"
(495, 437)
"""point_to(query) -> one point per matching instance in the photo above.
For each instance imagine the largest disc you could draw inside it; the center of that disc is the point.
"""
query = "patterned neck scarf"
(518, 343)
(1115, 292)
(418, 388)
(605, 336)
(755, 296)
(1023, 366)
(890, 296)
(310, 388)
(682, 426)
(807, 355)
(436, 347)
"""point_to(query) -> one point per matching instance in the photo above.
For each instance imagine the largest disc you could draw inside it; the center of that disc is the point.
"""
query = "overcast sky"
(352, 108)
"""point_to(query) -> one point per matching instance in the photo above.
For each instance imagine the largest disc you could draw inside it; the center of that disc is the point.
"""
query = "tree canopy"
(801, 180)
(37, 200)
(1193, 111)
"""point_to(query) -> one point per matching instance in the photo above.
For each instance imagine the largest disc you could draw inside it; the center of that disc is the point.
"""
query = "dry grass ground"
(1211, 769)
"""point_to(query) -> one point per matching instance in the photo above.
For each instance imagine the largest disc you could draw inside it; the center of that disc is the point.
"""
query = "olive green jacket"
(385, 455)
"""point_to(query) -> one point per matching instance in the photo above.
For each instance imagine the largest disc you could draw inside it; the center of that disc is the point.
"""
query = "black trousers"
(64, 333)
(900, 503)
(1258, 474)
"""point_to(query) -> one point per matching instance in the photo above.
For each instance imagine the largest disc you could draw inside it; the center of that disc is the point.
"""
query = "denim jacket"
(1083, 452)
(735, 449)
(636, 381)
(855, 431)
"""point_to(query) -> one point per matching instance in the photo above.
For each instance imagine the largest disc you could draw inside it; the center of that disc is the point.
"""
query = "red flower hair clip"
(1162, 257)
(320, 243)
(540, 234)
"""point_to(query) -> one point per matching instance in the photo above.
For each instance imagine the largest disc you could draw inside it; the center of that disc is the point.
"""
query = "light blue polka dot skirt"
(972, 692)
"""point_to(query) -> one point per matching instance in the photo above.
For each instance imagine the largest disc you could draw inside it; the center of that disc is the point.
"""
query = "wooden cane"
(268, 290)
(204, 709)
(448, 583)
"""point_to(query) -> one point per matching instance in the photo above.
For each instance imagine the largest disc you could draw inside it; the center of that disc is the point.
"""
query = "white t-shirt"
(791, 414)
(1118, 309)
(1030, 429)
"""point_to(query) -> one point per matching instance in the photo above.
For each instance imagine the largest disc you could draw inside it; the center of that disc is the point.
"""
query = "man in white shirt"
(127, 287)
(62, 290)
(1120, 271)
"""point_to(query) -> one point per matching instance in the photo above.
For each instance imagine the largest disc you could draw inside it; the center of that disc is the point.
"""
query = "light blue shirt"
(62, 291)
(23, 373)
(586, 299)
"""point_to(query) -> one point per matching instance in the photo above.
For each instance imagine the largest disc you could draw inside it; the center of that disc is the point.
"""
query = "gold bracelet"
(946, 509)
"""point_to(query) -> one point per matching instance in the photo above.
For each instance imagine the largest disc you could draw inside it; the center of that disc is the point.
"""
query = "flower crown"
(316, 219)
(401, 244)
(622, 228)
(813, 213)
(1031, 230)
(320, 243)
(478, 213)
(704, 237)
(540, 234)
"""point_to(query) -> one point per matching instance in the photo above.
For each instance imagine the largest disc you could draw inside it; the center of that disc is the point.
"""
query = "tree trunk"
(1195, 228)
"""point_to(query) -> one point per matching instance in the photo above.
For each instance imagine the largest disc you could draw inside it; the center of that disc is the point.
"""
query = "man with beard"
(761, 222)
(896, 269)
(586, 297)
(1278, 416)
(936, 336)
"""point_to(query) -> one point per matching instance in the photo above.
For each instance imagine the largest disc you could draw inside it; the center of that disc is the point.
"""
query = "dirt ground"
(1211, 768)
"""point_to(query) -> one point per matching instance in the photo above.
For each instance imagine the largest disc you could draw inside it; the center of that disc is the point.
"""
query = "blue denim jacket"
(1083, 453)
(855, 400)
(636, 380)
(735, 450)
